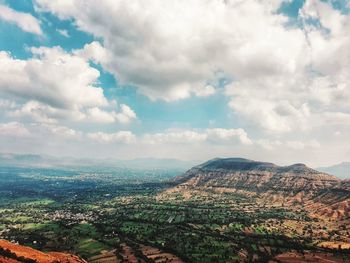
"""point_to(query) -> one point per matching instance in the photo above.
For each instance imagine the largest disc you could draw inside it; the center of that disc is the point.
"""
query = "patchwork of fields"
(136, 216)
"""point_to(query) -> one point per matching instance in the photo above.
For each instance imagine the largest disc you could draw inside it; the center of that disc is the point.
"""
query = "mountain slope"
(323, 194)
(341, 170)
(13, 253)
(258, 176)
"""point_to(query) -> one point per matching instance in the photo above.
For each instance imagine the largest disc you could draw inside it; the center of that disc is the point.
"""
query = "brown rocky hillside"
(324, 194)
(251, 175)
(13, 253)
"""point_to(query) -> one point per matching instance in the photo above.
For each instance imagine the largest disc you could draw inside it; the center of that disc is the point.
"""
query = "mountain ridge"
(323, 193)
(241, 171)
(247, 164)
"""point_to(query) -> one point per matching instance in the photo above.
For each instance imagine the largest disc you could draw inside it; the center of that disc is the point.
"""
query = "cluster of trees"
(5, 252)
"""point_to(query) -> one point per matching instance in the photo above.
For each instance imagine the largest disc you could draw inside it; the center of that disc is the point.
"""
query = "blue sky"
(155, 115)
(189, 80)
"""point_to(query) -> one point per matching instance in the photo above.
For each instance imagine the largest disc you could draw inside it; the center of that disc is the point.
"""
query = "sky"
(187, 79)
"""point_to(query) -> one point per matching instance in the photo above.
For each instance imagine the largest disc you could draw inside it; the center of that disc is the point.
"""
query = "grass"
(89, 247)
(5, 201)
(47, 226)
(85, 230)
(40, 202)
(18, 219)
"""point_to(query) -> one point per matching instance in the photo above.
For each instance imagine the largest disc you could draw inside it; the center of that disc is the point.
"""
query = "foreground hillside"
(13, 253)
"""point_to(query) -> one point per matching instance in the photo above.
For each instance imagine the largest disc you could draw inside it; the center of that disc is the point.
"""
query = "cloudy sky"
(188, 79)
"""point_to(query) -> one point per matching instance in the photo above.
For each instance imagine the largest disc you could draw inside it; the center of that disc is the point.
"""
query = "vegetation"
(132, 211)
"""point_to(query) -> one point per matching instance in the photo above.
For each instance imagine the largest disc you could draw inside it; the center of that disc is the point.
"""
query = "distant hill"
(324, 194)
(32, 160)
(13, 253)
(341, 170)
(249, 174)
(241, 164)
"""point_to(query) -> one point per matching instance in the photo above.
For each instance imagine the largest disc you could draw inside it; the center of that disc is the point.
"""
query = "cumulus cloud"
(97, 115)
(299, 145)
(283, 77)
(13, 129)
(63, 32)
(54, 85)
(316, 93)
(62, 131)
(268, 111)
(37, 130)
(172, 50)
(25, 21)
(220, 134)
(175, 137)
(37, 111)
(124, 116)
(278, 145)
(216, 135)
(53, 77)
(121, 136)
(286, 84)
(7, 104)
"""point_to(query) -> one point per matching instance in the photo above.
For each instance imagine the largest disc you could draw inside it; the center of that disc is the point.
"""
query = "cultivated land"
(213, 213)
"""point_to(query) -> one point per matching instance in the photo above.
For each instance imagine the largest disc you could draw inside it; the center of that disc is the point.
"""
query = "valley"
(225, 210)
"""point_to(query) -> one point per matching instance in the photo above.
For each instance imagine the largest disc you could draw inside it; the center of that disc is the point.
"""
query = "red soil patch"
(30, 253)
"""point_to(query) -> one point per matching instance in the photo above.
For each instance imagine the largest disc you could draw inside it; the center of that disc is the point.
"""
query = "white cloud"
(175, 137)
(268, 144)
(220, 134)
(289, 85)
(172, 50)
(97, 115)
(63, 32)
(205, 91)
(13, 129)
(268, 110)
(52, 76)
(126, 114)
(93, 51)
(314, 94)
(57, 85)
(200, 144)
(38, 131)
(58, 131)
(298, 145)
(25, 21)
(37, 111)
(7, 104)
(44, 113)
(216, 135)
(121, 136)
(283, 78)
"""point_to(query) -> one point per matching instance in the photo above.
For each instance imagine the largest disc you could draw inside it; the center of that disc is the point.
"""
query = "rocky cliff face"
(13, 253)
(258, 176)
(323, 194)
